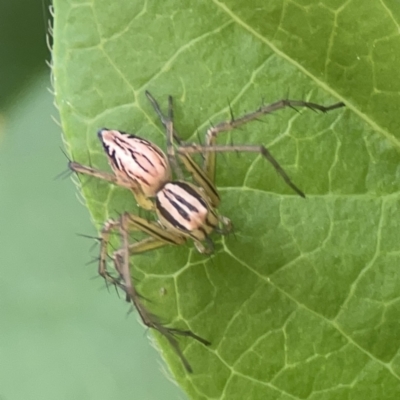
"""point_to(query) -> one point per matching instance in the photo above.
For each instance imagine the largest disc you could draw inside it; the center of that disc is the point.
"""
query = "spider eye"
(100, 133)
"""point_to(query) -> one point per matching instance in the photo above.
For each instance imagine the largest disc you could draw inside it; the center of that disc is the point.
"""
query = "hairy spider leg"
(141, 198)
(210, 148)
(159, 237)
(199, 176)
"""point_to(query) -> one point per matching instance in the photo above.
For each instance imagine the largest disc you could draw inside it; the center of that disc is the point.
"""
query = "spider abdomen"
(185, 209)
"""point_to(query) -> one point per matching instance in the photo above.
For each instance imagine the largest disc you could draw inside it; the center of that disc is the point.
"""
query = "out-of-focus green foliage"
(62, 335)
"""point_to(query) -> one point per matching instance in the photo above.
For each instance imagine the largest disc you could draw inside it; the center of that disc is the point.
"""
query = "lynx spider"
(184, 210)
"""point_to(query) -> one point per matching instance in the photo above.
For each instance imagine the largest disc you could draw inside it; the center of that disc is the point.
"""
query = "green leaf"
(302, 301)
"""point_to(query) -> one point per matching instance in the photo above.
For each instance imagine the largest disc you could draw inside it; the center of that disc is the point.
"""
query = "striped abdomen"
(185, 209)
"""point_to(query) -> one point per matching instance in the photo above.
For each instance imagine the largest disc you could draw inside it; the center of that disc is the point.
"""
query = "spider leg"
(141, 199)
(210, 148)
(108, 227)
(162, 117)
(86, 170)
(159, 237)
(195, 148)
(168, 123)
(199, 176)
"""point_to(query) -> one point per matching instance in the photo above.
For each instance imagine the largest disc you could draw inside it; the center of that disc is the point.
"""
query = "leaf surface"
(302, 301)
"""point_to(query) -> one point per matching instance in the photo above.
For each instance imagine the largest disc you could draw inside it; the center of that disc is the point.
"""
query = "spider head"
(136, 160)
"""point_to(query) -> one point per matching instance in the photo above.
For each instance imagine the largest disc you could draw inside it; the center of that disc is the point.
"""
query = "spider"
(184, 210)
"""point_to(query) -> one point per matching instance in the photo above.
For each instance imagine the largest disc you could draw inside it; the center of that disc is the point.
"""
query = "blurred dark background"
(62, 335)
(23, 49)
